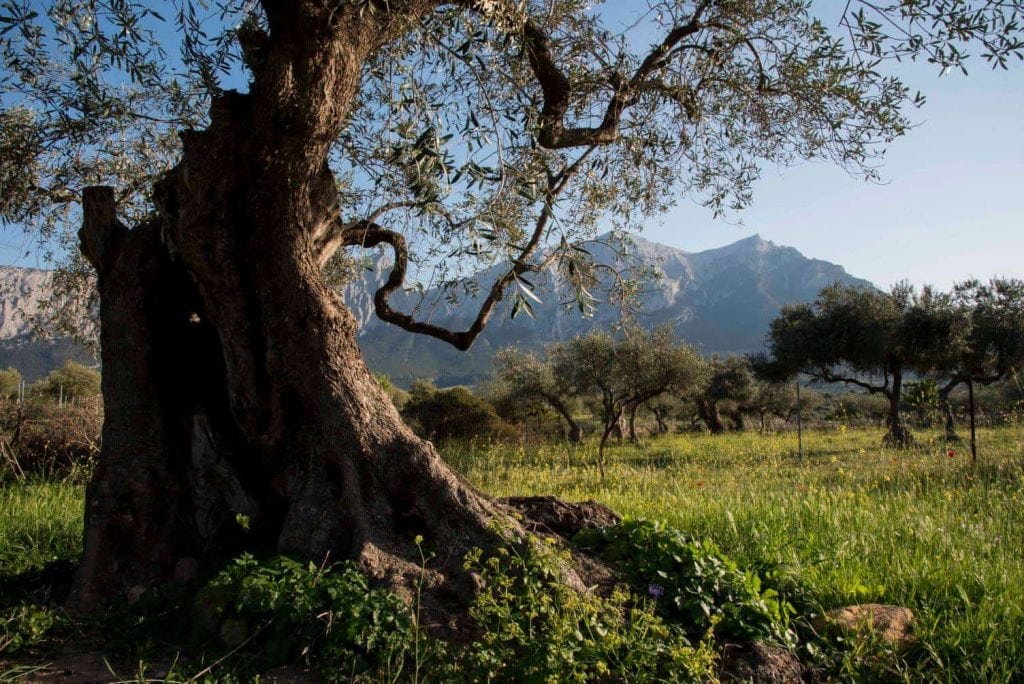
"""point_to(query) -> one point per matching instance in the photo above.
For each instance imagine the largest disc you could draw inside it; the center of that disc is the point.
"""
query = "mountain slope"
(22, 291)
(720, 300)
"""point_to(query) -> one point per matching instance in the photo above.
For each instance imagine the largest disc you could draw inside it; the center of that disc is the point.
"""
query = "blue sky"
(951, 206)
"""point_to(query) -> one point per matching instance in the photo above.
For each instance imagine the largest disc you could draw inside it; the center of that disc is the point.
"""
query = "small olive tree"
(730, 382)
(994, 344)
(527, 379)
(624, 371)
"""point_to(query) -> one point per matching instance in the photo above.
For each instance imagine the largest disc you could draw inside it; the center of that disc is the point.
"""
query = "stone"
(549, 514)
(893, 623)
(760, 663)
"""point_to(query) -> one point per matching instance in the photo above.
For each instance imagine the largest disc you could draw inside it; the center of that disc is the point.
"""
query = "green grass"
(855, 522)
(40, 522)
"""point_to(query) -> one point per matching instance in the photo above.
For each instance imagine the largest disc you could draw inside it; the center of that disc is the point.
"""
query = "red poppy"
(951, 453)
(700, 483)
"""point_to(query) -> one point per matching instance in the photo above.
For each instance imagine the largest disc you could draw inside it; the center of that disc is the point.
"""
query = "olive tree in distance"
(869, 339)
(994, 345)
(625, 371)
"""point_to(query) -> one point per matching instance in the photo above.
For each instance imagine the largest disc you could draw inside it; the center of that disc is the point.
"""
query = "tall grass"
(854, 522)
(40, 522)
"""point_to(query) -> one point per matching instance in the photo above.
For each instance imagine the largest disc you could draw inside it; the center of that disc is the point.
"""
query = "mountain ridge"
(720, 300)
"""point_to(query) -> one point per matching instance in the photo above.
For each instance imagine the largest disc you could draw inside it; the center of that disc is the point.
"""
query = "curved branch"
(828, 376)
(557, 89)
(368, 234)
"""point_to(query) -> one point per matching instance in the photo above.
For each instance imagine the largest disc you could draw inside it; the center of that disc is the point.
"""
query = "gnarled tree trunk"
(239, 412)
(659, 418)
(631, 422)
(708, 412)
(574, 432)
(898, 434)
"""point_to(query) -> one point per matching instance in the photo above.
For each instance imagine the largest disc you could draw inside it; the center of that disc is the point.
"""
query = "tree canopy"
(486, 132)
(870, 339)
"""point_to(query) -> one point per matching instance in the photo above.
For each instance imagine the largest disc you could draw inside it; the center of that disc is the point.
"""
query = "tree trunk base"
(898, 438)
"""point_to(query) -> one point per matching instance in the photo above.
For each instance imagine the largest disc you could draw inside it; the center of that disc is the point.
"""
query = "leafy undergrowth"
(853, 523)
(256, 615)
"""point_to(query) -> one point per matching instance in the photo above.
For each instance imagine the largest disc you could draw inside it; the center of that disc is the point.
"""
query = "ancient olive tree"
(226, 171)
(870, 339)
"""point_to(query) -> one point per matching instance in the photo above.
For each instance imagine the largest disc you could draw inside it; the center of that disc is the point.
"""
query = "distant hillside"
(720, 300)
(21, 292)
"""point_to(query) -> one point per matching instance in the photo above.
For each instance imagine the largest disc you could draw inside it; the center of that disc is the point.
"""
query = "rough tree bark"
(897, 434)
(232, 382)
(949, 417)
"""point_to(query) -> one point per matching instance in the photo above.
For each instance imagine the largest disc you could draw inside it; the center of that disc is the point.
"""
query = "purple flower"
(655, 590)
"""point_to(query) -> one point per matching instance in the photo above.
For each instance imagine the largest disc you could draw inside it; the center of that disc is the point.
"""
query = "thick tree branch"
(829, 376)
(369, 234)
(100, 227)
(557, 88)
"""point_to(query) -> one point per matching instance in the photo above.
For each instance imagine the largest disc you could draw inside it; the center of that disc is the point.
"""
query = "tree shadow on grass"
(48, 585)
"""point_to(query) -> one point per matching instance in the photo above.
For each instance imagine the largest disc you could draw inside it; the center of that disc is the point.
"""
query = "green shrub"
(451, 414)
(10, 384)
(47, 439)
(694, 583)
(536, 629)
(72, 381)
(287, 611)
(27, 627)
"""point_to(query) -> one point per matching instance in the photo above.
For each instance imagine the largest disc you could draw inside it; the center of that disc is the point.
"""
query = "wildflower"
(655, 590)
(951, 454)
(700, 483)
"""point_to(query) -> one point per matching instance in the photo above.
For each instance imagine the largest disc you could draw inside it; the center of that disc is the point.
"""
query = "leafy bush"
(451, 414)
(288, 611)
(694, 582)
(27, 627)
(72, 381)
(536, 629)
(10, 383)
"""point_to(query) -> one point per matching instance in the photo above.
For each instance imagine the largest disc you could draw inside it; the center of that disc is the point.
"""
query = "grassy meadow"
(855, 523)
(852, 523)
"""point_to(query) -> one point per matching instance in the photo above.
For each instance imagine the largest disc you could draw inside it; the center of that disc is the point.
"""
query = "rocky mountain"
(22, 292)
(720, 300)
